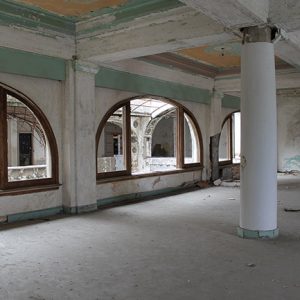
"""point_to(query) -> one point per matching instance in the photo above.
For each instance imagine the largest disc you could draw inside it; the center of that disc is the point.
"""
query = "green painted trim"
(37, 214)
(28, 16)
(257, 234)
(229, 101)
(33, 17)
(30, 64)
(80, 209)
(120, 80)
(139, 196)
(128, 12)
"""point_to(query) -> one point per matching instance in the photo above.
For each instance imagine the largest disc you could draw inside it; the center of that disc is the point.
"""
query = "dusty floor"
(174, 248)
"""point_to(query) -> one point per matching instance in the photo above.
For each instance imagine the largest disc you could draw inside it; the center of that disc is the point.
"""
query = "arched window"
(28, 151)
(146, 135)
(230, 139)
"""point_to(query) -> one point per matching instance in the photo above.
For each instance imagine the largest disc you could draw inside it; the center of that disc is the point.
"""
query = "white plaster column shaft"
(79, 136)
(258, 140)
(216, 112)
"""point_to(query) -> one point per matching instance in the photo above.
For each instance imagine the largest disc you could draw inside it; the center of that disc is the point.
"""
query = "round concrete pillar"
(258, 215)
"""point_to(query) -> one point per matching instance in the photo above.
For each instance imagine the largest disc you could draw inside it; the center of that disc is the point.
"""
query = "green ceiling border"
(120, 80)
(229, 101)
(129, 11)
(31, 17)
(35, 18)
(30, 64)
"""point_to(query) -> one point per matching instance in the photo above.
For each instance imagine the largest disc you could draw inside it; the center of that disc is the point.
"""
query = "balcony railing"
(27, 172)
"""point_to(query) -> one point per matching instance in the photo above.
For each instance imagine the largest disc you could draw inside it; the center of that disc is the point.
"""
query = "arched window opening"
(28, 149)
(230, 139)
(155, 125)
(162, 136)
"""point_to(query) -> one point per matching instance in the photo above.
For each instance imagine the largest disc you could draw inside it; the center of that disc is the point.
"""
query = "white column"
(79, 163)
(12, 141)
(258, 215)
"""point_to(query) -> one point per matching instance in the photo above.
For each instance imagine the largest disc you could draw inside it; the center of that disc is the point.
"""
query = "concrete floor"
(174, 248)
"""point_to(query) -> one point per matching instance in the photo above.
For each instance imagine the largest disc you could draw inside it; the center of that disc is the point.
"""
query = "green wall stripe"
(37, 214)
(119, 80)
(30, 64)
(231, 102)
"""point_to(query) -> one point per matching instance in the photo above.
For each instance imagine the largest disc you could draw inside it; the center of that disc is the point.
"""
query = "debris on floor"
(291, 209)
(291, 172)
(217, 182)
(203, 184)
(227, 183)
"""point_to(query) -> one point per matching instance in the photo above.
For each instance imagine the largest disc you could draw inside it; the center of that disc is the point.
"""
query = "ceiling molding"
(20, 15)
(182, 63)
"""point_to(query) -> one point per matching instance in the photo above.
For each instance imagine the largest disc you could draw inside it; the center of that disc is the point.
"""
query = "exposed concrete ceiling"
(192, 35)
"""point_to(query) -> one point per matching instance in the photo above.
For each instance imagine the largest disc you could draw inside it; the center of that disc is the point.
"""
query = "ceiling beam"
(20, 39)
(285, 79)
(287, 48)
(233, 14)
(169, 31)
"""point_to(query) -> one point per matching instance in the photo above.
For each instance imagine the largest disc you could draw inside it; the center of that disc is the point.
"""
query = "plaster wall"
(46, 94)
(105, 99)
(288, 133)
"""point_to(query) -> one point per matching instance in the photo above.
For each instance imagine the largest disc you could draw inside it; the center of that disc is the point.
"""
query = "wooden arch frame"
(4, 183)
(228, 118)
(180, 111)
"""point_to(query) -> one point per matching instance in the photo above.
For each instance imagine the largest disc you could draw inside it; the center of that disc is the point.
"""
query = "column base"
(257, 234)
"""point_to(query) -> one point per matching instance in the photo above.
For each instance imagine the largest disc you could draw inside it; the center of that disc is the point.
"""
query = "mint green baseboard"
(118, 200)
(257, 234)
(36, 214)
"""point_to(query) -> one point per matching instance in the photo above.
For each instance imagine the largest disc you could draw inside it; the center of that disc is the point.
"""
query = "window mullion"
(180, 138)
(3, 139)
(231, 139)
(127, 140)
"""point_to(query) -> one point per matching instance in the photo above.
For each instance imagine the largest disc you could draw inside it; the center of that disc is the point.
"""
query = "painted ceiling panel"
(220, 56)
(74, 8)
(224, 56)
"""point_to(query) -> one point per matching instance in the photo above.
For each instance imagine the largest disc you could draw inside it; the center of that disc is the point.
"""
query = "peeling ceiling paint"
(73, 7)
(221, 56)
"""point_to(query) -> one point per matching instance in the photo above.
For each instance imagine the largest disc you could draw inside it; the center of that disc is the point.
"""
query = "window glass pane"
(236, 136)
(153, 136)
(110, 155)
(28, 153)
(191, 142)
(224, 144)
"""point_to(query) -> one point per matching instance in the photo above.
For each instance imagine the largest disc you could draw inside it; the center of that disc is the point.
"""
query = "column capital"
(85, 66)
(255, 34)
(217, 94)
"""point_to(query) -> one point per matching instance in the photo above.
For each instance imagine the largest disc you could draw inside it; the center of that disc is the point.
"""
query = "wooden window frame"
(230, 142)
(180, 165)
(6, 185)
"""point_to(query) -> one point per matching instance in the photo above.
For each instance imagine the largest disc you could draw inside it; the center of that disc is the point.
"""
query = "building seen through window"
(154, 136)
(29, 158)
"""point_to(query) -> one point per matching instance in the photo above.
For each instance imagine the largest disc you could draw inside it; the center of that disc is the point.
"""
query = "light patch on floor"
(177, 247)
